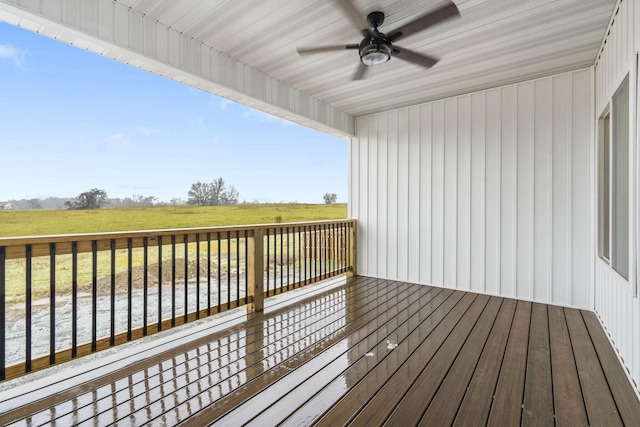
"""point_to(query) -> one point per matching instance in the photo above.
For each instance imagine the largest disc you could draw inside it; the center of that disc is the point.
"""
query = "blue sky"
(71, 120)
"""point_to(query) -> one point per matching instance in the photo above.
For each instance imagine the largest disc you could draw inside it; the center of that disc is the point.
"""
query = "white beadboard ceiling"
(494, 42)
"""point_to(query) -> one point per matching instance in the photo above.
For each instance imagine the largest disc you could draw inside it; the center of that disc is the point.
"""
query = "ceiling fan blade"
(446, 11)
(414, 57)
(330, 48)
(354, 15)
(360, 72)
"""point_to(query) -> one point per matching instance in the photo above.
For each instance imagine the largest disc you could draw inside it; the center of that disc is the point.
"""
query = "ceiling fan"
(377, 48)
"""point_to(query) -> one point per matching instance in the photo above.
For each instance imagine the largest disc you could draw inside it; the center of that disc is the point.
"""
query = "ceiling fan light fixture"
(375, 54)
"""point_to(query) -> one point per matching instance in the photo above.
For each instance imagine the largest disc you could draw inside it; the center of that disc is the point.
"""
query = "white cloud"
(144, 131)
(115, 137)
(14, 55)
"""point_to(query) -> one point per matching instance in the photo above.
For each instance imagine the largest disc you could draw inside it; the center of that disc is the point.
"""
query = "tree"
(34, 204)
(200, 194)
(92, 199)
(212, 194)
(217, 191)
(230, 197)
(330, 198)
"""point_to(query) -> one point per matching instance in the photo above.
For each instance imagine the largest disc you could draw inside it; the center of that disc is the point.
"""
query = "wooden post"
(352, 249)
(255, 272)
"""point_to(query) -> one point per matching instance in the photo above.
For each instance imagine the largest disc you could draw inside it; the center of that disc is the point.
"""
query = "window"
(613, 183)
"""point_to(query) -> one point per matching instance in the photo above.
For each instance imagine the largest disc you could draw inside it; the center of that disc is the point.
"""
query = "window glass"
(620, 180)
(603, 188)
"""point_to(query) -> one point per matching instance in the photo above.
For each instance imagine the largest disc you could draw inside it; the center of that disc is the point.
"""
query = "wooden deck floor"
(363, 352)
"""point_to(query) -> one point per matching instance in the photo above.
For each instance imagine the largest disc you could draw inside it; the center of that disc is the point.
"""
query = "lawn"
(47, 222)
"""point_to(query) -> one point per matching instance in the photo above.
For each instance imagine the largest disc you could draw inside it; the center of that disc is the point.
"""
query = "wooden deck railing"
(67, 296)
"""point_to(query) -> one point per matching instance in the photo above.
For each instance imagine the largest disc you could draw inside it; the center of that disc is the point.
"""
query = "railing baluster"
(275, 259)
(281, 260)
(246, 265)
(74, 299)
(94, 295)
(209, 274)
(3, 315)
(28, 313)
(186, 278)
(325, 248)
(129, 288)
(52, 303)
(320, 248)
(198, 276)
(267, 264)
(288, 259)
(348, 245)
(238, 267)
(145, 281)
(228, 269)
(173, 280)
(159, 283)
(112, 335)
(219, 275)
(295, 259)
(306, 252)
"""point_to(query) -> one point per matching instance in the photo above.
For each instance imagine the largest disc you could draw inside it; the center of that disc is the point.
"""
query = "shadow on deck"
(362, 351)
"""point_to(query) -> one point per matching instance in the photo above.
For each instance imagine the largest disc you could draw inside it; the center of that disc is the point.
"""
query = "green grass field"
(47, 222)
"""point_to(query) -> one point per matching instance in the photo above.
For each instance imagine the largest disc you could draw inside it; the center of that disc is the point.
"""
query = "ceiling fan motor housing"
(375, 48)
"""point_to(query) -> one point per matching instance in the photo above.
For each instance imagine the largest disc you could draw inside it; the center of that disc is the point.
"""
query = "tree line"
(213, 193)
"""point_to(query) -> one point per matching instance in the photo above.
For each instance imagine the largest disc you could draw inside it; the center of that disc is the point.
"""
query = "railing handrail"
(21, 241)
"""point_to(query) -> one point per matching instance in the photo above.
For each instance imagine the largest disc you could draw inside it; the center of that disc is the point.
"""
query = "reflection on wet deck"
(363, 351)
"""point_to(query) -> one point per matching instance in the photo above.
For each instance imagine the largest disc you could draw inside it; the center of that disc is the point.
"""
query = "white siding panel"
(372, 198)
(426, 151)
(492, 195)
(382, 196)
(392, 194)
(437, 195)
(542, 209)
(463, 226)
(481, 191)
(362, 179)
(478, 190)
(508, 191)
(561, 172)
(450, 191)
(581, 148)
(615, 303)
(525, 191)
(413, 258)
(403, 193)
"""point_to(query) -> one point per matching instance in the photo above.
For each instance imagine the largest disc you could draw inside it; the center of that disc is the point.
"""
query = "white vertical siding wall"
(488, 192)
(615, 303)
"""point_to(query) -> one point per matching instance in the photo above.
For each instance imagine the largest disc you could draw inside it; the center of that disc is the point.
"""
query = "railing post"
(352, 249)
(255, 272)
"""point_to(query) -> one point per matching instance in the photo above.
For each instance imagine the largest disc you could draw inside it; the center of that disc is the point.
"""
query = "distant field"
(46, 222)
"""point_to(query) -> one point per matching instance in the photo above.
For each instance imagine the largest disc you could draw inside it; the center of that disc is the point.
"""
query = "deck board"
(362, 352)
(476, 404)
(506, 409)
(599, 402)
(567, 395)
(446, 402)
(538, 389)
